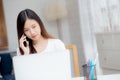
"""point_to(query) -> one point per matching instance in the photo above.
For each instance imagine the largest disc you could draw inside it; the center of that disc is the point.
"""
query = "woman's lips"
(34, 36)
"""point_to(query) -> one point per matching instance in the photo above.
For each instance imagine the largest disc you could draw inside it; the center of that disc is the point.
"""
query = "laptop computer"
(43, 66)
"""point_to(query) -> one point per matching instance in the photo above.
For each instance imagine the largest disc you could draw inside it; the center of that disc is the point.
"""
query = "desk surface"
(102, 77)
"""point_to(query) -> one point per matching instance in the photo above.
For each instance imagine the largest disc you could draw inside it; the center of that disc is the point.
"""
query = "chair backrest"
(75, 58)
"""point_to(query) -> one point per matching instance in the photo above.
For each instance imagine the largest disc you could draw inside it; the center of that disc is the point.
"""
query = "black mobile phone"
(25, 43)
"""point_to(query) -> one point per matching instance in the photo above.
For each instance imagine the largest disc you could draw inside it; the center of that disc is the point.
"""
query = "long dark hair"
(21, 19)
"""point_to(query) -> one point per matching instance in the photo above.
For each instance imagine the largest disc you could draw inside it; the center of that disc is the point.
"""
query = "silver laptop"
(43, 66)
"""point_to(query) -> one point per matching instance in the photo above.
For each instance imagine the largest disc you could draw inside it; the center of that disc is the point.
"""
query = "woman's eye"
(33, 26)
(26, 30)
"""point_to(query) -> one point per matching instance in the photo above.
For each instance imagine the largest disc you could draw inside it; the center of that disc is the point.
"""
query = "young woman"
(32, 35)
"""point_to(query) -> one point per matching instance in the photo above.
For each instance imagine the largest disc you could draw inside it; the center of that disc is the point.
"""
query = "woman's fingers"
(22, 39)
(24, 44)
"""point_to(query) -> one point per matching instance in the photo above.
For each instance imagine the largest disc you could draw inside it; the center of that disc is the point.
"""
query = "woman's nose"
(32, 31)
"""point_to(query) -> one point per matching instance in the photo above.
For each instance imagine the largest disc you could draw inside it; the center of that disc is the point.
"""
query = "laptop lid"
(43, 66)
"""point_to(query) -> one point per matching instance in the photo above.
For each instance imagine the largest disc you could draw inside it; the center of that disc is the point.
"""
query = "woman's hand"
(24, 44)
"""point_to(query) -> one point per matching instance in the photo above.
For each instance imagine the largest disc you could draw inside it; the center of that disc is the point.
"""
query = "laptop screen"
(43, 66)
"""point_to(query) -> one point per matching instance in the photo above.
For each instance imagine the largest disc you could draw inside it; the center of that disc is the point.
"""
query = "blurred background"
(74, 22)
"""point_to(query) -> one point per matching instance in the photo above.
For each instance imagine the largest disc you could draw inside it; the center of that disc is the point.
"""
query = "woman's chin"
(34, 39)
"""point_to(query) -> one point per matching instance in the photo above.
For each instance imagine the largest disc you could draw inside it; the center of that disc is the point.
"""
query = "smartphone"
(25, 43)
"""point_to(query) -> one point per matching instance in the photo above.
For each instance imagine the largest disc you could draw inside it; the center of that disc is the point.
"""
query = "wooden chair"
(75, 58)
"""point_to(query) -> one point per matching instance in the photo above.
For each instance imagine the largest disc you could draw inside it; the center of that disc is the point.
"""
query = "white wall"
(75, 30)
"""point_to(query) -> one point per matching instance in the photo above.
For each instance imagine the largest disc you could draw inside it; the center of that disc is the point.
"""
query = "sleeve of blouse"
(59, 45)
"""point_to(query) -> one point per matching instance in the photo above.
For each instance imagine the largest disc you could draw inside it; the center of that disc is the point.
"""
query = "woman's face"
(32, 29)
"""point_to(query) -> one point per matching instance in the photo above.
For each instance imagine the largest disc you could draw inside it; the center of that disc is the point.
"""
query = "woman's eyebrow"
(30, 26)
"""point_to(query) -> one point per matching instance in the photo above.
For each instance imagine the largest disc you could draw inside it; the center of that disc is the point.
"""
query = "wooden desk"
(102, 77)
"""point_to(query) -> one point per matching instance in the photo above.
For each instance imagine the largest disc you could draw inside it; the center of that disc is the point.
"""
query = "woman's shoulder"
(54, 40)
(57, 43)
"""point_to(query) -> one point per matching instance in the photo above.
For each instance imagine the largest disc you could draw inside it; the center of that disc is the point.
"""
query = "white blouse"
(53, 45)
